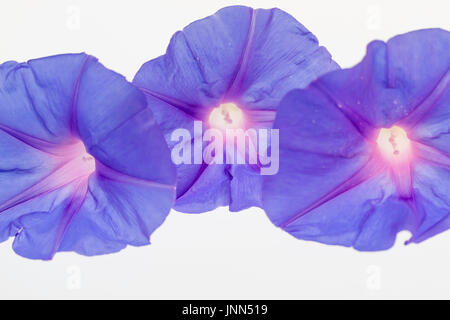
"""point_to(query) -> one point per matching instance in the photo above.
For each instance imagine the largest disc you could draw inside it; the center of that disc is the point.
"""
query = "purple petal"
(356, 218)
(61, 198)
(169, 119)
(393, 78)
(251, 57)
(201, 61)
(434, 127)
(48, 117)
(432, 199)
(209, 191)
(328, 186)
(120, 131)
(282, 55)
(118, 210)
(333, 186)
(246, 188)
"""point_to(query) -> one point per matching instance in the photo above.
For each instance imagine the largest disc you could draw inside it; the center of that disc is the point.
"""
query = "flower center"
(78, 162)
(227, 116)
(86, 162)
(394, 143)
(76, 165)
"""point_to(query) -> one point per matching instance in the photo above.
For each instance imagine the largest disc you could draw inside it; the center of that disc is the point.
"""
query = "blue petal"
(200, 62)
(332, 187)
(378, 230)
(169, 119)
(36, 105)
(434, 127)
(281, 55)
(246, 188)
(328, 188)
(120, 131)
(366, 217)
(42, 227)
(251, 57)
(432, 199)
(49, 103)
(394, 77)
(209, 191)
(118, 210)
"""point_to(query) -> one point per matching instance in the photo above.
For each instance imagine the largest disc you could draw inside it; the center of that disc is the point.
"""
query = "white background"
(218, 254)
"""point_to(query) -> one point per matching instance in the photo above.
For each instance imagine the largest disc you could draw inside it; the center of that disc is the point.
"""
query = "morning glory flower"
(365, 152)
(228, 71)
(83, 166)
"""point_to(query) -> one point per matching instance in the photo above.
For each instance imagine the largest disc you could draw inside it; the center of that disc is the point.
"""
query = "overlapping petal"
(394, 78)
(332, 186)
(57, 112)
(246, 56)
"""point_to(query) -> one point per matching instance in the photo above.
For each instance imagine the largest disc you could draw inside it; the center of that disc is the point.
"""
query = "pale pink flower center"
(394, 144)
(227, 116)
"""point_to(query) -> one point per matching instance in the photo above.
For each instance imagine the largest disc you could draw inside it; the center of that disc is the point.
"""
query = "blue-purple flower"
(365, 152)
(83, 165)
(238, 60)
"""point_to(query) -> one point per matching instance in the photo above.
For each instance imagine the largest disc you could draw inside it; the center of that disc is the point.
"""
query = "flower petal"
(432, 199)
(393, 78)
(49, 103)
(120, 131)
(434, 127)
(36, 97)
(282, 55)
(250, 57)
(329, 187)
(316, 139)
(200, 62)
(332, 185)
(246, 187)
(118, 210)
(209, 191)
